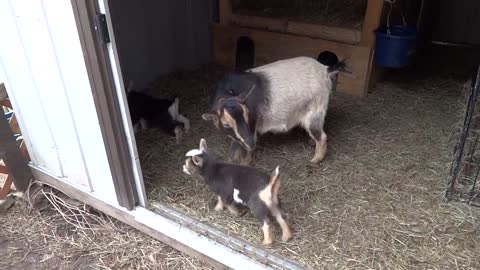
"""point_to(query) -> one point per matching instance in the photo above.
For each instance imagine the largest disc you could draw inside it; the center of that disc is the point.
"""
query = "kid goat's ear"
(203, 145)
(198, 161)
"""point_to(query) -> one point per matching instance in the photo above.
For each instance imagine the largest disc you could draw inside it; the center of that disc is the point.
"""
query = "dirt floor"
(30, 239)
(377, 201)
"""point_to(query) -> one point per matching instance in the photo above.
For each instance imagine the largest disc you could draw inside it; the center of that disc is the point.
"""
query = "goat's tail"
(275, 184)
(334, 66)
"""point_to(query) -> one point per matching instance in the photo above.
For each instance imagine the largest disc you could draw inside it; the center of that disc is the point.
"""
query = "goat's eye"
(227, 126)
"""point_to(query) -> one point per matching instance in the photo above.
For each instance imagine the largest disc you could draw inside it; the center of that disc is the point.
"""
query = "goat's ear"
(198, 161)
(213, 117)
(203, 145)
(245, 94)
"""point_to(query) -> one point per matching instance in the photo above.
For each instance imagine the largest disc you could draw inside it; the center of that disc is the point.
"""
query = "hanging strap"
(392, 2)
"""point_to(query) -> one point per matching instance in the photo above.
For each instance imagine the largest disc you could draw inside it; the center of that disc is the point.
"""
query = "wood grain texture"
(270, 47)
(373, 15)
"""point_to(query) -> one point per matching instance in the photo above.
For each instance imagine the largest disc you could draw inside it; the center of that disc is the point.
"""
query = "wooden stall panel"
(270, 47)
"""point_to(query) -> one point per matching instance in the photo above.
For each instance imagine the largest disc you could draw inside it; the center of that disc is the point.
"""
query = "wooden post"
(371, 22)
(373, 17)
(11, 156)
(225, 9)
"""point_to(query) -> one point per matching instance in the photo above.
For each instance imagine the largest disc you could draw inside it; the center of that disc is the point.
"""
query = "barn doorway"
(377, 191)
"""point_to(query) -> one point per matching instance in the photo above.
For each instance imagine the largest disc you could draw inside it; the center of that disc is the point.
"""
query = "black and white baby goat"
(150, 112)
(238, 184)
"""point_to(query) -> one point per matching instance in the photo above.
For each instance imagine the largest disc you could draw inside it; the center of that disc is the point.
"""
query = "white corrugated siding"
(42, 64)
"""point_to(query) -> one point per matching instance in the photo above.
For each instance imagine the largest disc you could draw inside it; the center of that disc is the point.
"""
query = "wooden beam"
(13, 123)
(225, 10)
(339, 34)
(3, 91)
(3, 169)
(270, 47)
(11, 156)
(371, 22)
(5, 189)
(261, 23)
(350, 36)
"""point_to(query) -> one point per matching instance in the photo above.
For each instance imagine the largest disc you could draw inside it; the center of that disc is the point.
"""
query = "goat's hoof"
(267, 242)
(286, 237)
(315, 160)
(219, 208)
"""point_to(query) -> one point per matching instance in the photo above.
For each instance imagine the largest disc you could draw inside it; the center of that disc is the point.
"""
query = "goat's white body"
(298, 94)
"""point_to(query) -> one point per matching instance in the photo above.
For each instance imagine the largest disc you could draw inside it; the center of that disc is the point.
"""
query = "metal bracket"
(101, 27)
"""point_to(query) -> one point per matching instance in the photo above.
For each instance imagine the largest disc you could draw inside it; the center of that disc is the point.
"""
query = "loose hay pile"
(340, 13)
(375, 202)
(66, 234)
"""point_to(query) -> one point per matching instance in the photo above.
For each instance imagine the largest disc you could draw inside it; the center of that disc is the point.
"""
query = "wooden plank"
(346, 35)
(3, 169)
(5, 189)
(350, 36)
(225, 10)
(13, 123)
(120, 215)
(371, 22)
(24, 151)
(3, 91)
(13, 160)
(270, 47)
(261, 23)
(6, 103)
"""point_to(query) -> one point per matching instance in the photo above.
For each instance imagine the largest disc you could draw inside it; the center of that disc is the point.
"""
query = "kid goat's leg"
(220, 205)
(279, 216)
(260, 211)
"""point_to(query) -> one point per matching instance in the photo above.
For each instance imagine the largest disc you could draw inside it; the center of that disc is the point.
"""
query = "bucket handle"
(392, 2)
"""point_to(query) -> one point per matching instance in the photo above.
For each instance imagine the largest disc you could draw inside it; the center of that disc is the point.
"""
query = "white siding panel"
(48, 83)
(61, 21)
(42, 59)
(18, 76)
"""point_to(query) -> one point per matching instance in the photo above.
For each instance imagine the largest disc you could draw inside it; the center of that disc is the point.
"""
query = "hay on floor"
(377, 201)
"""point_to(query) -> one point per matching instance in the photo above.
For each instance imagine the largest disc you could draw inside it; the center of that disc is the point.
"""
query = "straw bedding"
(377, 201)
(340, 13)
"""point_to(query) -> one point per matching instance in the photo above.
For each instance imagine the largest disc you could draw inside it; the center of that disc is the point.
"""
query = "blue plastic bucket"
(395, 49)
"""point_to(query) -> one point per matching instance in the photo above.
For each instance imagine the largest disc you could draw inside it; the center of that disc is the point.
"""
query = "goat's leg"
(267, 233)
(260, 211)
(220, 205)
(277, 212)
(233, 210)
(315, 130)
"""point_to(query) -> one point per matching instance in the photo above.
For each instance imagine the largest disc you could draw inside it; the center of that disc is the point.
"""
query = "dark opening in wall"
(245, 55)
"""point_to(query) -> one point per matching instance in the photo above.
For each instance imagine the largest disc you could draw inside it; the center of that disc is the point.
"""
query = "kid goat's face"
(196, 159)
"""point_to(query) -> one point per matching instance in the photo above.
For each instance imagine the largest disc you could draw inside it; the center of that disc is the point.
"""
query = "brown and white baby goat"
(238, 184)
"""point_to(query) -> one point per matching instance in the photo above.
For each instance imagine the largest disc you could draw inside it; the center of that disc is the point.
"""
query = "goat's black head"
(231, 115)
(197, 159)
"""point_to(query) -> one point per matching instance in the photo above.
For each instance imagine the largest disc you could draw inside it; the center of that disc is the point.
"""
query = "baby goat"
(238, 184)
(147, 111)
